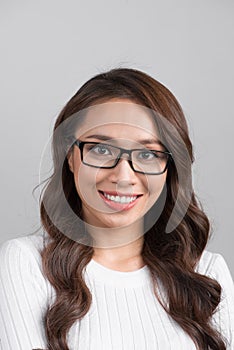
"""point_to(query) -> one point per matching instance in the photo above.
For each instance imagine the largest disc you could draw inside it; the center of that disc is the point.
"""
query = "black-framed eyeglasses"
(106, 156)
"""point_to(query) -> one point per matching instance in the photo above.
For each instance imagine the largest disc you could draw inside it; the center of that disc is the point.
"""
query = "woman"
(121, 260)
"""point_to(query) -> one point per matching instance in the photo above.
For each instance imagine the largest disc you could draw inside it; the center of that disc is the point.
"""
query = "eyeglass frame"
(80, 145)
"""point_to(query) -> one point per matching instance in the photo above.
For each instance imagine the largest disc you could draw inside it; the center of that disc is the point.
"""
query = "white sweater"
(124, 315)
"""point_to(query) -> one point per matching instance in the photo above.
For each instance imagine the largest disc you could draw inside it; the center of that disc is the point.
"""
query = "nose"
(123, 172)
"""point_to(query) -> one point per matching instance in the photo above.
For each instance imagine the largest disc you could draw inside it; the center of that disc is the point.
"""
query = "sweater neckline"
(106, 276)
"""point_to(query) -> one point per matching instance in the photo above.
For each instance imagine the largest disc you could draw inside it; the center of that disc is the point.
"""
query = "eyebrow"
(143, 141)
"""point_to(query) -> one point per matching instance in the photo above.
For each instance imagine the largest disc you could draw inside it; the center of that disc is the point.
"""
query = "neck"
(118, 245)
(124, 258)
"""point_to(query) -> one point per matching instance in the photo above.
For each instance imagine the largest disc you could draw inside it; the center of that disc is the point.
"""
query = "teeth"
(118, 199)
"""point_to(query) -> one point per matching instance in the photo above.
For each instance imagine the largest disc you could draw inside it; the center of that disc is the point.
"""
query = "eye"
(147, 155)
(101, 150)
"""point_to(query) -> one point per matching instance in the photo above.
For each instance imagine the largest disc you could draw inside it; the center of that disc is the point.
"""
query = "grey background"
(50, 48)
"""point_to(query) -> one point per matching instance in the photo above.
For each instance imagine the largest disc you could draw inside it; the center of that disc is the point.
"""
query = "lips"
(131, 199)
(115, 193)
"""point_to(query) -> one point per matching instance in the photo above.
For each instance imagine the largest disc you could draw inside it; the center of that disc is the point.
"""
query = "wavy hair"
(191, 298)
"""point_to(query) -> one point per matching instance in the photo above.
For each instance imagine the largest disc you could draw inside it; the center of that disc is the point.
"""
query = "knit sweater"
(124, 314)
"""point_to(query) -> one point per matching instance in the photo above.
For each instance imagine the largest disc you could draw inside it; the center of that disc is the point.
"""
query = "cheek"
(87, 178)
(156, 185)
(85, 185)
(86, 181)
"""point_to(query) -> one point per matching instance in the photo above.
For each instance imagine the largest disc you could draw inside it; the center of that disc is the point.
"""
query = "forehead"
(118, 119)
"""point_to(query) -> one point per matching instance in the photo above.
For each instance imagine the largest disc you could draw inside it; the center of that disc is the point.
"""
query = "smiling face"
(119, 196)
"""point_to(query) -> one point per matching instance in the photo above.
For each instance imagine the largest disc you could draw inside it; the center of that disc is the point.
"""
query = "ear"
(70, 160)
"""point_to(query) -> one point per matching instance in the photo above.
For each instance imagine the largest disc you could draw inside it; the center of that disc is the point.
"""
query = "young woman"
(120, 261)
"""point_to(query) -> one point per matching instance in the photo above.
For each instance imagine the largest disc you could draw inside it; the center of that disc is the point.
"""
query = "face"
(119, 196)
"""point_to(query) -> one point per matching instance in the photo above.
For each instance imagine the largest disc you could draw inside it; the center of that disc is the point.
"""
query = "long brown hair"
(192, 298)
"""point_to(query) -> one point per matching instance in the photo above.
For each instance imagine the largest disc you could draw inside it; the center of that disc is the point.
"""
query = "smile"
(119, 202)
(120, 199)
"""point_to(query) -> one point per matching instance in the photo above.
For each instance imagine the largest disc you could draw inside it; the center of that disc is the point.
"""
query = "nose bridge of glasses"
(124, 162)
(125, 154)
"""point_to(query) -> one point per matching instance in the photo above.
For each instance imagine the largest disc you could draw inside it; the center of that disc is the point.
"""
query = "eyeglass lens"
(145, 160)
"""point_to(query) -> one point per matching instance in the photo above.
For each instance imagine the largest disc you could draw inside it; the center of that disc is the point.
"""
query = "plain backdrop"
(50, 48)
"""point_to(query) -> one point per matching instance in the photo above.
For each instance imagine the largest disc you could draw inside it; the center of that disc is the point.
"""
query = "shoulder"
(30, 246)
(21, 260)
(25, 293)
(215, 266)
(212, 264)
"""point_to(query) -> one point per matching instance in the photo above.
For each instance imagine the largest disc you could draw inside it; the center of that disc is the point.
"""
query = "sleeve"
(23, 298)
(224, 315)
